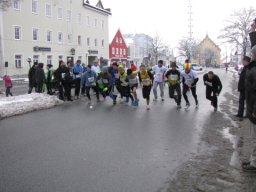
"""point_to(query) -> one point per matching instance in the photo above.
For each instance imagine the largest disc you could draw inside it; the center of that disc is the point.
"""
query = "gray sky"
(170, 18)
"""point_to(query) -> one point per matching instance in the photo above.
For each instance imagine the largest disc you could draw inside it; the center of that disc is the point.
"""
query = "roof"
(99, 7)
(207, 38)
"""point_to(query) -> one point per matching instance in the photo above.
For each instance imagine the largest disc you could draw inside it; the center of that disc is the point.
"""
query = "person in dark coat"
(62, 74)
(213, 88)
(32, 77)
(40, 78)
(252, 34)
(241, 88)
(250, 95)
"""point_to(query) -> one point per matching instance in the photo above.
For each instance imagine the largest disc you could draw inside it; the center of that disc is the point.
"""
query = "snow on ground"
(17, 105)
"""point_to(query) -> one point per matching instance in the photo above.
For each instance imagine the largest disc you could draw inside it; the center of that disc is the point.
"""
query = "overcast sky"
(170, 18)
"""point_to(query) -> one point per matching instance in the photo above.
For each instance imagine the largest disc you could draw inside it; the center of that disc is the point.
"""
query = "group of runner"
(116, 80)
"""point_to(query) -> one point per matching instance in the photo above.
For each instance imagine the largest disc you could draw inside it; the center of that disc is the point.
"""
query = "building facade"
(118, 50)
(140, 47)
(209, 53)
(51, 30)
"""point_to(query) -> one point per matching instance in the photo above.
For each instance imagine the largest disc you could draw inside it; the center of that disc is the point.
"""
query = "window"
(102, 43)
(35, 34)
(124, 52)
(48, 10)
(16, 4)
(60, 13)
(17, 32)
(117, 51)
(60, 57)
(121, 41)
(49, 59)
(95, 42)
(95, 23)
(79, 18)
(113, 50)
(88, 20)
(18, 61)
(102, 25)
(79, 39)
(121, 51)
(88, 41)
(49, 36)
(68, 15)
(34, 6)
(117, 40)
(60, 37)
(69, 38)
(35, 58)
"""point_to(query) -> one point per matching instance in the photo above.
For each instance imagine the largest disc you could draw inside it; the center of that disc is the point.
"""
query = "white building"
(140, 46)
(51, 30)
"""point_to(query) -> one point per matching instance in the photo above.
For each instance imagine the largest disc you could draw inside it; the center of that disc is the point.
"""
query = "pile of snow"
(11, 106)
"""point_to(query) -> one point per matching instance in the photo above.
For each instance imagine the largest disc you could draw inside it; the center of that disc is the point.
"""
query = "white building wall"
(28, 20)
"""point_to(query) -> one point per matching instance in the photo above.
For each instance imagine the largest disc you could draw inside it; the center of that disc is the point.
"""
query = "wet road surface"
(107, 148)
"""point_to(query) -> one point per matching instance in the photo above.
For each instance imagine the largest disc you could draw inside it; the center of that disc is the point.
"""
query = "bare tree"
(188, 48)
(208, 57)
(238, 29)
(4, 4)
(157, 47)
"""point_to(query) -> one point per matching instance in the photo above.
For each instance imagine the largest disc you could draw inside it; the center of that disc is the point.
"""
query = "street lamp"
(29, 61)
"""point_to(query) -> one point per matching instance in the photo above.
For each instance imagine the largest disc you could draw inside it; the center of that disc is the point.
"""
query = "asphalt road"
(73, 148)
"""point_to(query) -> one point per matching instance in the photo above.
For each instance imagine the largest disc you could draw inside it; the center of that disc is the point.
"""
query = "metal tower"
(190, 19)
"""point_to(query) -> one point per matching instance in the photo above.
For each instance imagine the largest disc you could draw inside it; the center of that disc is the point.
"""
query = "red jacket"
(7, 81)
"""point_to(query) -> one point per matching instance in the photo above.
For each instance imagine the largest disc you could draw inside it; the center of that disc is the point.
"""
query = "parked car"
(196, 67)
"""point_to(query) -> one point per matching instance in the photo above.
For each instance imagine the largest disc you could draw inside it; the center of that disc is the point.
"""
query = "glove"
(105, 89)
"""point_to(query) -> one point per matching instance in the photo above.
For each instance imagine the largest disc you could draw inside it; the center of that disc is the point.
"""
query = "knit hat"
(187, 67)
(104, 68)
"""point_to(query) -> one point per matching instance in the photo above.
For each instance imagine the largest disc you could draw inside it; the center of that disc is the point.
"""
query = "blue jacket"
(89, 79)
(77, 69)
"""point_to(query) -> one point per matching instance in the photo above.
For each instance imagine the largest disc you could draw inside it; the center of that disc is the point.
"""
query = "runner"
(104, 82)
(113, 71)
(133, 84)
(90, 83)
(189, 81)
(159, 71)
(173, 78)
(124, 85)
(146, 79)
(213, 88)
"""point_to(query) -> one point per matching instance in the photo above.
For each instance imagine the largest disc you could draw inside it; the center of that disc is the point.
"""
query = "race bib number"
(105, 81)
(208, 83)
(189, 82)
(159, 75)
(91, 79)
(133, 81)
(99, 81)
(174, 77)
(63, 75)
(78, 76)
(117, 76)
(146, 82)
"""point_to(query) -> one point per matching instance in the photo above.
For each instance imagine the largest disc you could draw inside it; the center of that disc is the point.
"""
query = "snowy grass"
(17, 105)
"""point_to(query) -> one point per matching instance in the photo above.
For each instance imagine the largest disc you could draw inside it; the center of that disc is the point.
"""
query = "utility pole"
(190, 28)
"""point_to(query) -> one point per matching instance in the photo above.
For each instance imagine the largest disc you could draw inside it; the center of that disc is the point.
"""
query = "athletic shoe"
(178, 106)
(162, 99)
(187, 105)
(114, 102)
(215, 109)
(197, 105)
(155, 99)
(148, 108)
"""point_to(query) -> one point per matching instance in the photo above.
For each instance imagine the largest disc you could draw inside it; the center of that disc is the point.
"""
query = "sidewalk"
(217, 165)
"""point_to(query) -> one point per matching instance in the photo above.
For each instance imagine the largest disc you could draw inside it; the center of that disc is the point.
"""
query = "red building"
(118, 51)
